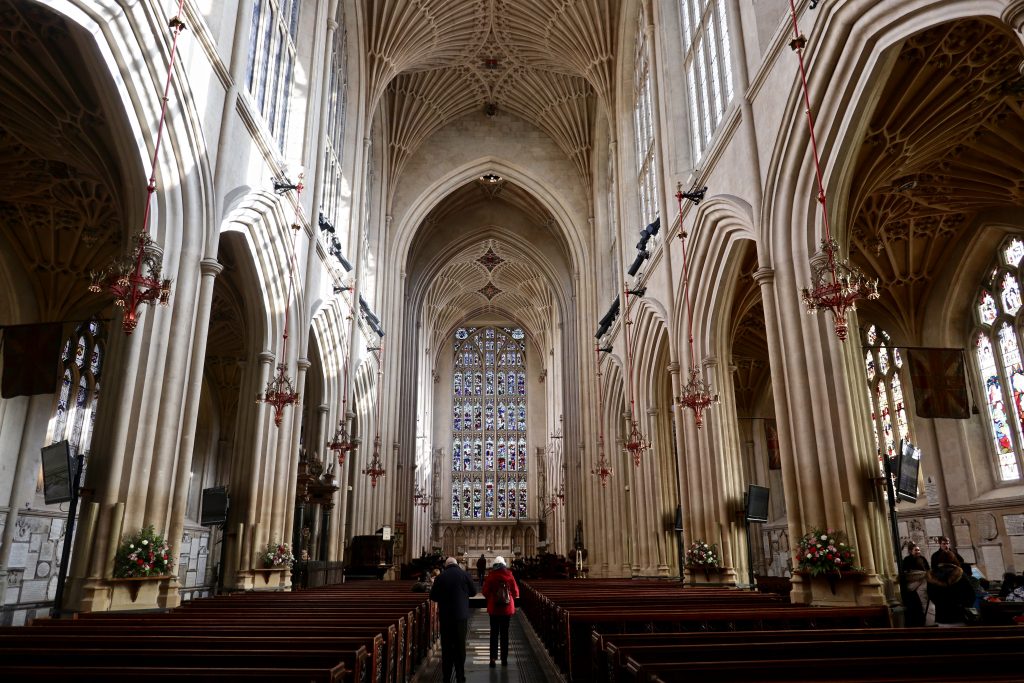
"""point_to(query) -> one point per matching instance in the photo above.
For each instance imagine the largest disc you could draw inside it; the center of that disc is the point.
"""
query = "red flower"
(140, 562)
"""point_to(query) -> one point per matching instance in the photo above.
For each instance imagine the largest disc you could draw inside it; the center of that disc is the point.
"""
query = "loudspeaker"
(58, 472)
(214, 506)
(757, 503)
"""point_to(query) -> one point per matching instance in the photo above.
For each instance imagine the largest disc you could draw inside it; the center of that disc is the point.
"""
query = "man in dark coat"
(481, 567)
(944, 548)
(451, 591)
(949, 590)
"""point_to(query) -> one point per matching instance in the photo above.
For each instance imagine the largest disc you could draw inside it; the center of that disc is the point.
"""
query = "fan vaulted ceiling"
(944, 146)
(546, 61)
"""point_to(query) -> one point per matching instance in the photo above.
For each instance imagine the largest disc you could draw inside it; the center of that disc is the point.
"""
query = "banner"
(31, 359)
(940, 383)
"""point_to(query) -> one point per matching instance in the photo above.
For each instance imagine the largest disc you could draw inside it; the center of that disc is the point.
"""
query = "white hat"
(450, 561)
(499, 560)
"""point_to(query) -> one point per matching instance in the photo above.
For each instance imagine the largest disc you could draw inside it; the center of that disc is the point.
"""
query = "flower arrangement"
(700, 555)
(143, 554)
(278, 555)
(824, 552)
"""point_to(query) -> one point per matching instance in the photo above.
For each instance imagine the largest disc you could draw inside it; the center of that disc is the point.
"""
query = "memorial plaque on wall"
(987, 526)
(1014, 524)
(992, 557)
(931, 491)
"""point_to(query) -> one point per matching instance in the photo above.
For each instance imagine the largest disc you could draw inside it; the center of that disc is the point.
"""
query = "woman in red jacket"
(501, 590)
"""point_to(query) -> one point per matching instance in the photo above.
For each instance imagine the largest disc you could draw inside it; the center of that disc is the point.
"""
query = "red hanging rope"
(798, 43)
(177, 26)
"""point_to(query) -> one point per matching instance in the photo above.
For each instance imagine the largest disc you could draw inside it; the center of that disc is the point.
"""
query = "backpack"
(502, 597)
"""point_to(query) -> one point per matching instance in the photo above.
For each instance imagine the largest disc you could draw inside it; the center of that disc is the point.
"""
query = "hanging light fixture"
(696, 393)
(376, 470)
(420, 497)
(551, 505)
(280, 390)
(602, 469)
(342, 443)
(836, 284)
(137, 279)
(635, 443)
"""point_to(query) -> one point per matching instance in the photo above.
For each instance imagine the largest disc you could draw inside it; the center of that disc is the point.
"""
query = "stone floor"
(528, 661)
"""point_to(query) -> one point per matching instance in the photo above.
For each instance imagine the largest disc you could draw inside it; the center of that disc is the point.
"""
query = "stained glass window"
(74, 415)
(996, 345)
(882, 367)
(1013, 251)
(489, 423)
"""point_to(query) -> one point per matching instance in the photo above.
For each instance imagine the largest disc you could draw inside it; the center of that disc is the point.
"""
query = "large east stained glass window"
(489, 455)
(997, 346)
(883, 365)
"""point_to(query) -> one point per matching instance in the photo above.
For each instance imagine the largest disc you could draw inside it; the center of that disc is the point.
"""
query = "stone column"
(210, 269)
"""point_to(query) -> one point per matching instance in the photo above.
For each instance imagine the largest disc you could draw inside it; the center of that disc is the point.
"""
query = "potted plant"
(278, 556)
(703, 556)
(143, 554)
(826, 553)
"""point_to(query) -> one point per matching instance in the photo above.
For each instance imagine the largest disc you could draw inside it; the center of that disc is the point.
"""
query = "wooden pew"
(874, 644)
(999, 667)
(609, 651)
(572, 651)
(379, 642)
(354, 653)
(315, 665)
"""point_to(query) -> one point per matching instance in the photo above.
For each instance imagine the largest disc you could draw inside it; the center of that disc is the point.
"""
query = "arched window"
(334, 191)
(883, 365)
(997, 350)
(643, 124)
(75, 413)
(489, 424)
(707, 62)
(275, 25)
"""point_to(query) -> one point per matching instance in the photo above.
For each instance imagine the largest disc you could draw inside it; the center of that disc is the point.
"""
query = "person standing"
(451, 591)
(949, 590)
(915, 581)
(481, 567)
(501, 591)
(944, 547)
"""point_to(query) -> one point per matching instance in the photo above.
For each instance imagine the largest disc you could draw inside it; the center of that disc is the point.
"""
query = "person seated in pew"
(1012, 589)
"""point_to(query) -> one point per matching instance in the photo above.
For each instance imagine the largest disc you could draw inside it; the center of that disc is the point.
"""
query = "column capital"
(303, 364)
(673, 367)
(764, 276)
(1014, 15)
(211, 267)
(266, 357)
